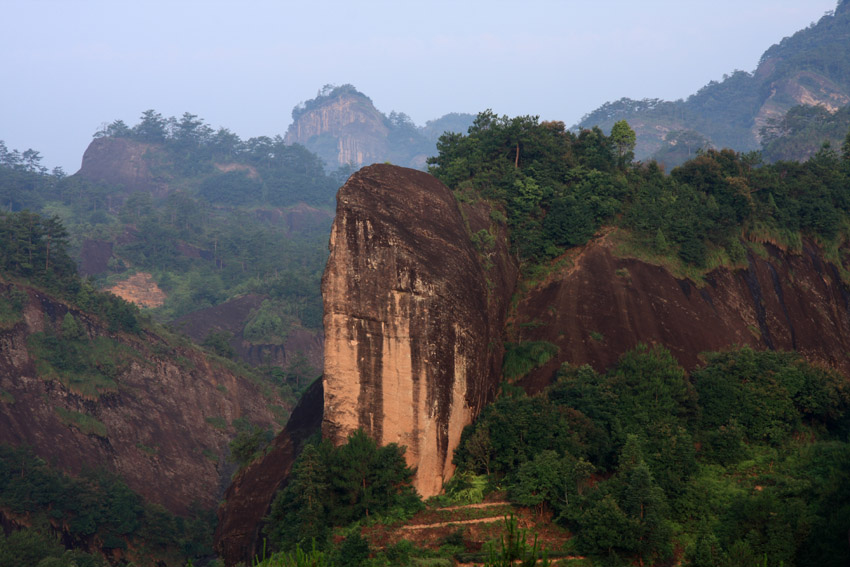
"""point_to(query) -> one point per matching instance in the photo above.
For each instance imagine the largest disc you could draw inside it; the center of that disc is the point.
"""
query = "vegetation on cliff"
(802, 131)
(93, 350)
(558, 188)
(96, 512)
(226, 226)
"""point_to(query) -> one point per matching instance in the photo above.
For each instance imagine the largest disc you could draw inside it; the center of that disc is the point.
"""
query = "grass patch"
(152, 451)
(597, 336)
(522, 358)
(87, 424)
(217, 422)
(12, 304)
(6, 397)
(630, 245)
(88, 367)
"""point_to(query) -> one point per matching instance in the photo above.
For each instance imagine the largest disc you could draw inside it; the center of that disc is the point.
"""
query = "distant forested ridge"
(810, 67)
(284, 173)
(803, 131)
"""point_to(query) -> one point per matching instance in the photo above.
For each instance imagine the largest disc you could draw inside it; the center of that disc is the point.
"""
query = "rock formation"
(415, 315)
(600, 306)
(163, 425)
(343, 127)
(413, 321)
(124, 163)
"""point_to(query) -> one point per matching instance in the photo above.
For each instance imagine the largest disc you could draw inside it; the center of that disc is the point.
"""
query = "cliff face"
(601, 306)
(345, 129)
(123, 163)
(163, 424)
(413, 338)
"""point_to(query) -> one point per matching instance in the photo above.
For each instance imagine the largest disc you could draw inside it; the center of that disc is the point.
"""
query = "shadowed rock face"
(123, 163)
(602, 306)
(413, 338)
(249, 498)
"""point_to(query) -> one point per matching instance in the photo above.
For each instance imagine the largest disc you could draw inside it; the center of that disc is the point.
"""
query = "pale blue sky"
(71, 65)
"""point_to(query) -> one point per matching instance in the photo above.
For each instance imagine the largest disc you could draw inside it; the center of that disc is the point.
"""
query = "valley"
(488, 340)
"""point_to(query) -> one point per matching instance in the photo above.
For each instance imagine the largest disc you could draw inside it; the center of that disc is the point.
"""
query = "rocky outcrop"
(250, 495)
(124, 163)
(600, 306)
(413, 320)
(344, 129)
(160, 415)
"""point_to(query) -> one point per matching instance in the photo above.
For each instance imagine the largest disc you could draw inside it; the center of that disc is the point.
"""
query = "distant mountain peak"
(344, 128)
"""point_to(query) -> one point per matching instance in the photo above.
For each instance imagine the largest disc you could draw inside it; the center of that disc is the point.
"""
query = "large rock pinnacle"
(412, 319)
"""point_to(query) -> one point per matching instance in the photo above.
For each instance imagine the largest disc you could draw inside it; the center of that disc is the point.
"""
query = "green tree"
(624, 139)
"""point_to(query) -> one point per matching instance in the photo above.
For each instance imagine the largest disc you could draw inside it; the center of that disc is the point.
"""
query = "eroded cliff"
(346, 129)
(160, 415)
(601, 305)
(413, 321)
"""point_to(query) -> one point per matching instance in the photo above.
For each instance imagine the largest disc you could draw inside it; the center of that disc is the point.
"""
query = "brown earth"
(141, 289)
(413, 332)
(94, 257)
(600, 306)
(166, 422)
(477, 525)
(228, 167)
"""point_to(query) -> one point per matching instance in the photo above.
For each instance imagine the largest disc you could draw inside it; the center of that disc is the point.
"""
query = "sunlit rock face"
(346, 129)
(412, 318)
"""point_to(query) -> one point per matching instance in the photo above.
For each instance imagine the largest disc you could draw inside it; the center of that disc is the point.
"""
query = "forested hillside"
(115, 434)
(803, 131)
(207, 218)
(558, 189)
(738, 461)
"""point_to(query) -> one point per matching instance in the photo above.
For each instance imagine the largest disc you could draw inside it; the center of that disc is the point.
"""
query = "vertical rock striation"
(413, 320)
